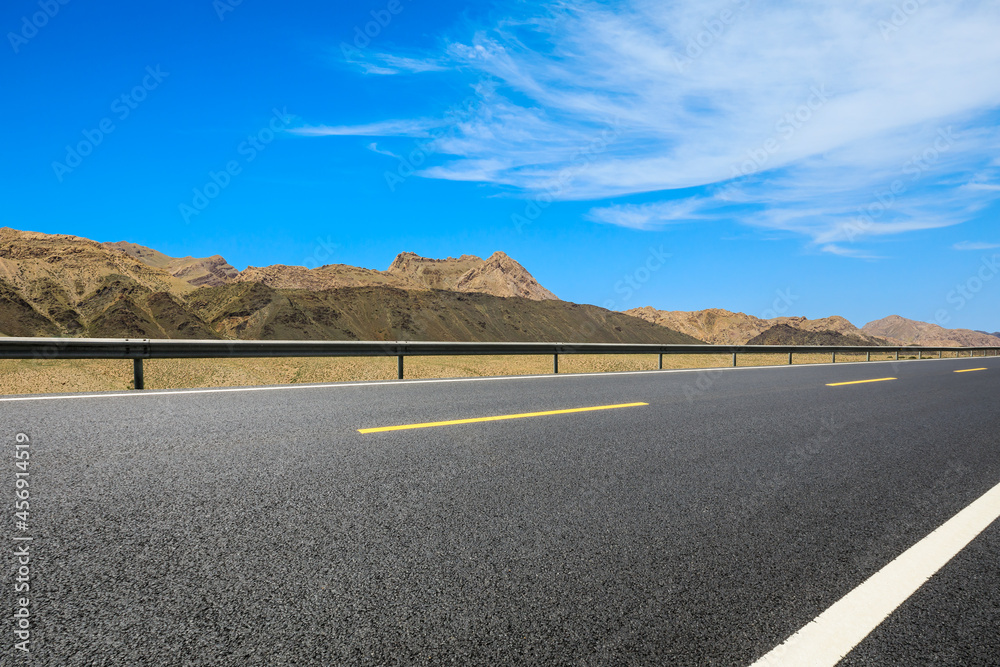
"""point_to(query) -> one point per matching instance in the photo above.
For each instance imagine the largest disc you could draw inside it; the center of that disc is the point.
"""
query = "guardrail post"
(138, 380)
(789, 358)
(399, 367)
(869, 355)
(833, 359)
(940, 354)
(897, 355)
(920, 354)
(660, 366)
(555, 364)
(734, 360)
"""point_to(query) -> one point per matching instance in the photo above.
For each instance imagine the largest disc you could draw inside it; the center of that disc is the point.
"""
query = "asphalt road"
(704, 528)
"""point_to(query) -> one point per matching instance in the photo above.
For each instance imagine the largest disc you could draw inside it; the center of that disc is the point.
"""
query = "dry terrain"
(40, 377)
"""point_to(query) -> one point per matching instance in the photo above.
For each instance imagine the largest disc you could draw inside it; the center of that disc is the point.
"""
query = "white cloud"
(390, 128)
(972, 245)
(817, 107)
(651, 216)
(388, 64)
(689, 122)
(834, 249)
(373, 147)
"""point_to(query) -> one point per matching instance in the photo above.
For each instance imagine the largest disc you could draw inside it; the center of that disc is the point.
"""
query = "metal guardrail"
(138, 349)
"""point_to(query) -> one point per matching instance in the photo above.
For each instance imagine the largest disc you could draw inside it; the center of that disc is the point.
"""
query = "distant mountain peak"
(498, 275)
(723, 327)
(912, 332)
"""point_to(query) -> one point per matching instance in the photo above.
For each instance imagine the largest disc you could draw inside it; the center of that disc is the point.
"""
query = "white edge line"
(404, 383)
(833, 634)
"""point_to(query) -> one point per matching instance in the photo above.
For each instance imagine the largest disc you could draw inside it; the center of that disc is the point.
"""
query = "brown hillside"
(502, 276)
(911, 332)
(433, 273)
(715, 325)
(331, 276)
(199, 272)
(256, 311)
(499, 276)
(69, 286)
(722, 327)
(64, 269)
(786, 334)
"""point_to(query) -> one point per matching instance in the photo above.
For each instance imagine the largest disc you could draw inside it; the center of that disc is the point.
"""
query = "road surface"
(697, 518)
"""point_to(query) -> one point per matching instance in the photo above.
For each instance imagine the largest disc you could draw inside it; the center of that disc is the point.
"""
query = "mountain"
(499, 275)
(258, 311)
(722, 327)
(911, 332)
(67, 285)
(716, 326)
(56, 285)
(198, 272)
(834, 330)
(40, 262)
(788, 334)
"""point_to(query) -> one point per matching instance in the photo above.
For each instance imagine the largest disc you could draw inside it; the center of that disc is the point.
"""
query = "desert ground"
(47, 376)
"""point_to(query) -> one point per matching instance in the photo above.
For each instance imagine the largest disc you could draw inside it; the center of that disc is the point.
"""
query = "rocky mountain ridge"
(723, 327)
(498, 275)
(59, 285)
(912, 332)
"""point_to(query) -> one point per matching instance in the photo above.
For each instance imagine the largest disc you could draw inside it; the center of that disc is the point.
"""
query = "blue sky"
(775, 158)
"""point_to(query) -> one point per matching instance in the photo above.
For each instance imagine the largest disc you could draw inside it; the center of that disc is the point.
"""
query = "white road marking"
(834, 633)
(405, 383)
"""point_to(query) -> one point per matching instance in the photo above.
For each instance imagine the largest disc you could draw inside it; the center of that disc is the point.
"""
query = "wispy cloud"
(388, 64)
(373, 147)
(803, 113)
(835, 249)
(973, 245)
(389, 128)
(652, 216)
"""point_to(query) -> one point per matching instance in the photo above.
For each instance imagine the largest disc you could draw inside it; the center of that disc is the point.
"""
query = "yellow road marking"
(972, 370)
(841, 384)
(497, 418)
